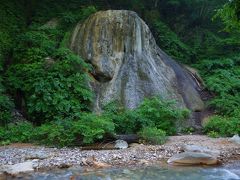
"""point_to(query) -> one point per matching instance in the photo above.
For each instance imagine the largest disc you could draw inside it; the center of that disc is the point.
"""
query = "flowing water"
(226, 172)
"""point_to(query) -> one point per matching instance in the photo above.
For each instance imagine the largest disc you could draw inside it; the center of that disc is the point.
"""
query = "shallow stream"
(225, 172)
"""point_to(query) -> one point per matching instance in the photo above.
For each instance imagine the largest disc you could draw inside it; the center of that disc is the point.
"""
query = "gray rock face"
(128, 65)
(235, 139)
(193, 158)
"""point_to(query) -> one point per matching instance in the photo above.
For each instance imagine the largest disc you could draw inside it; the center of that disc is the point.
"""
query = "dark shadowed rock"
(128, 65)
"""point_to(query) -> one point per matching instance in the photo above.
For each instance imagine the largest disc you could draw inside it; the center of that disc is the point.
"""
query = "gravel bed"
(47, 158)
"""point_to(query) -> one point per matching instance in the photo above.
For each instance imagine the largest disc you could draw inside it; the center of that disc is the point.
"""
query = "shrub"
(55, 134)
(188, 130)
(153, 112)
(213, 134)
(126, 121)
(153, 135)
(224, 126)
(18, 132)
(89, 129)
(161, 114)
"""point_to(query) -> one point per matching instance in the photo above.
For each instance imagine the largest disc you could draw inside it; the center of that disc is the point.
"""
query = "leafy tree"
(54, 89)
(230, 15)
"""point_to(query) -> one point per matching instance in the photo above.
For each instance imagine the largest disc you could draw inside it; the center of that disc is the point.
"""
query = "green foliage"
(153, 112)
(229, 14)
(54, 89)
(71, 18)
(213, 134)
(161, 114)
(11, 23)
(17, 132)
(171, 43)
(222, 78)
(88, 129)
(35, 45)
(55, 134)
(50, 84)
(223, 126)
(92, 127)
(126, 121)
(6, 106)
(188, 130)
(153, 135)
(52, 80)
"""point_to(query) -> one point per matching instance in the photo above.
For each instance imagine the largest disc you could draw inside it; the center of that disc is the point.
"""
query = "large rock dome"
(128, 65)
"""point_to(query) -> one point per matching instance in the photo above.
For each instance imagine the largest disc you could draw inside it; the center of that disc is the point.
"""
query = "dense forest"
(44, 87)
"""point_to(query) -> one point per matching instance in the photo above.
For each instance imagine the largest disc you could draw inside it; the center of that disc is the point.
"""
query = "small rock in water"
(193, 158)
(121, 144)
(235, 139)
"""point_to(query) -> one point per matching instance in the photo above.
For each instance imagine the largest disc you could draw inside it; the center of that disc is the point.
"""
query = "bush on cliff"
(222, 76)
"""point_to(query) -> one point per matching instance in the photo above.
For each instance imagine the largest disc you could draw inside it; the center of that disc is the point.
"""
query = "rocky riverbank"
(43, 158)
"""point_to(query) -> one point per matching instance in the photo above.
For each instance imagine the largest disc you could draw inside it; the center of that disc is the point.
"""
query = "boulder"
(200, 149)
(193, 158)
(121, 144)
(18, 168)
(128, 64)
(235, 139)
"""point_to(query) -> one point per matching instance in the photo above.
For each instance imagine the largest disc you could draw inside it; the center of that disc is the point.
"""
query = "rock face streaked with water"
(128, 65)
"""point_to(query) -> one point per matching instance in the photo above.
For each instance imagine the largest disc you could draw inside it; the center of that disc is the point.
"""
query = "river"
(224, 172)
